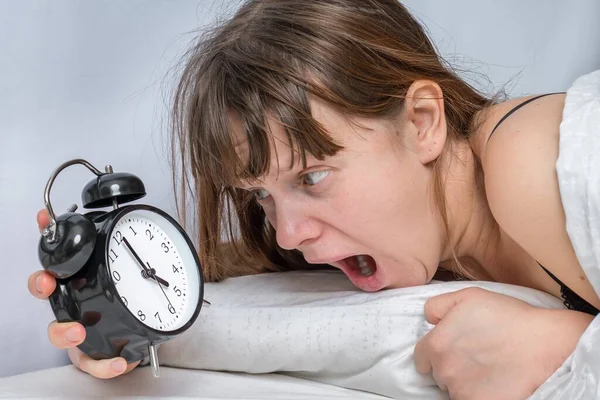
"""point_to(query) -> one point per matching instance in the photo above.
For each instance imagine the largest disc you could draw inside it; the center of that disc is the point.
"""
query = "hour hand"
(151, 273)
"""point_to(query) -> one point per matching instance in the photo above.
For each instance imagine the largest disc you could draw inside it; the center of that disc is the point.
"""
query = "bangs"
(254, 99)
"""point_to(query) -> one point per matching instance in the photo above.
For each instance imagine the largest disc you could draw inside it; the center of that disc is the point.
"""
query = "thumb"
(437, 307)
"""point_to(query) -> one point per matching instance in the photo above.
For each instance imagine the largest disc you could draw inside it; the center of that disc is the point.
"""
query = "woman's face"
(369, 210)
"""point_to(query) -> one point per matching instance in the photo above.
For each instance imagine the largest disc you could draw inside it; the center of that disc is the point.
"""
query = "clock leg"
(153, 350)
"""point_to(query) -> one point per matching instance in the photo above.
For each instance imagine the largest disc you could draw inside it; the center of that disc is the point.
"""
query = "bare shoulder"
(519, 164)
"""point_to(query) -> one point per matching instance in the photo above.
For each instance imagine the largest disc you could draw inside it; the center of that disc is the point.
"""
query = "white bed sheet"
(173, 383)
(578, 170)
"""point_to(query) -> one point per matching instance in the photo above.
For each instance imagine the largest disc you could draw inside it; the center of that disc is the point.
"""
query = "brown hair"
(360, 56)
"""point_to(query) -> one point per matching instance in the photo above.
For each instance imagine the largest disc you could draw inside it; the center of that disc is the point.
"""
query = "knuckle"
(473, 291)
(428, 308)
(462, 392)
(438, 345)
(445, 374)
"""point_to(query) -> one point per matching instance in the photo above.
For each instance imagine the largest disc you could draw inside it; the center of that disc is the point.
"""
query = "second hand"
(160, 286)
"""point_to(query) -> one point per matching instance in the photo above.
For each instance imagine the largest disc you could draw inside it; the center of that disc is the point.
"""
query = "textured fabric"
(318, 326)
(578, 169)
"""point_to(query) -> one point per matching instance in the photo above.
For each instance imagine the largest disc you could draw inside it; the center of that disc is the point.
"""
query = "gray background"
(88, 79)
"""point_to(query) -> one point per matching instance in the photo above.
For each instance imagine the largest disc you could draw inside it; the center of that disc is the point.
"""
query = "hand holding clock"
(69, 335)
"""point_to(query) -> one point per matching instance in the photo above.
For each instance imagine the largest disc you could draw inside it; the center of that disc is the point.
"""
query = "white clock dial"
(153, 270)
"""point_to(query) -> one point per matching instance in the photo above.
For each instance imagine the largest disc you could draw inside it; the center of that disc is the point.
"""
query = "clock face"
(153, 269)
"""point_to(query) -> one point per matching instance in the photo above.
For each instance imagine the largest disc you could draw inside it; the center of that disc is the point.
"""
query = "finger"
(423, 362)
(66, 335)
(104, 369)
(41, 284)
(43, 219)
(421, 356)
(437, 307)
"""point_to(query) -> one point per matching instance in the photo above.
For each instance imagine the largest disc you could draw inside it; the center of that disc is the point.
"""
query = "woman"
(331, 132)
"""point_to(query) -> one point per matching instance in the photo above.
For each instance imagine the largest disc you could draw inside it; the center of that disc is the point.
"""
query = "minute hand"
(149, 273)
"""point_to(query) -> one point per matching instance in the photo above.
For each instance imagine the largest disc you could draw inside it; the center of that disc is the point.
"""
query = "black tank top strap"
(571, 299)
(508, 114)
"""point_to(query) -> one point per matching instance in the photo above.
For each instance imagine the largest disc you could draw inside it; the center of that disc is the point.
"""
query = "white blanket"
(69, 382)
(318, 326)
(578, 169)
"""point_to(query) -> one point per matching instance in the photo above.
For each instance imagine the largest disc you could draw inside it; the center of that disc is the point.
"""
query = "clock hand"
(148, 272)
(152, 273)
(160, 286)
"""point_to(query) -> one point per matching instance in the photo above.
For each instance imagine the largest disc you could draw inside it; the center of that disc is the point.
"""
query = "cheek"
(412, 215)
(392, 212)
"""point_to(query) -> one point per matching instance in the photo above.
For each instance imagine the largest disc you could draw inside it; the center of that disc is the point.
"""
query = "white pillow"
(316, 325)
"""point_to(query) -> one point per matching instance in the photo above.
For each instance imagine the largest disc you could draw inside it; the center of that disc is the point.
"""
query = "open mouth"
(363, 271)
(362, 263)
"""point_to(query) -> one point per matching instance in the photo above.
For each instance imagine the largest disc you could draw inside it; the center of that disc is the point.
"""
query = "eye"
(260, 194)
(312, 178)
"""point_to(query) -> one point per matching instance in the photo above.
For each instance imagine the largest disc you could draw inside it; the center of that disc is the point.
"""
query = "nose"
(295, 226)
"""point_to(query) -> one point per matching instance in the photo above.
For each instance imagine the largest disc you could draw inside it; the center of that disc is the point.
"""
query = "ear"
(424, 105)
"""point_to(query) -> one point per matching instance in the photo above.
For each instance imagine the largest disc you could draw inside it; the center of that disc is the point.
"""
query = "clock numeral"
(177, 291)
(116, 276)
(150, 235)
(158, 317)
(111, 255)
(133, 230)
(165, 247)
(175, 269)
(141, 315)
(124, 300)
(118, 237)
(171, 309)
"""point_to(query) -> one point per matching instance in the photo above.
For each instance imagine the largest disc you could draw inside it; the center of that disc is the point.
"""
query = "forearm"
(567, 328)
(578, 378)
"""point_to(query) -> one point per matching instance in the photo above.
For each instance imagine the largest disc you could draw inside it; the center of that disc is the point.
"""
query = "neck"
(472, 228)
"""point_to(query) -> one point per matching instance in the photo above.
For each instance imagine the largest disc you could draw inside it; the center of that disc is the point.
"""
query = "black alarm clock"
(130, 275)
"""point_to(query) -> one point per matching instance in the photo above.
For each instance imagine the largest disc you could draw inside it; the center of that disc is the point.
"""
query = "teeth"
(364, 266)
(362, 261)
(367, 271)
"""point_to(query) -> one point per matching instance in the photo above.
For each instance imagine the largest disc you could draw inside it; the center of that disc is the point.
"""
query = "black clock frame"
(90, 298)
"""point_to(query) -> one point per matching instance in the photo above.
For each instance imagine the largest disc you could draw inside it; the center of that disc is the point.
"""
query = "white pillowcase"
(316, 325)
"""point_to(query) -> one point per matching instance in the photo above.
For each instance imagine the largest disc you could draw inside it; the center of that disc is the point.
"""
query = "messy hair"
(268, 59)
